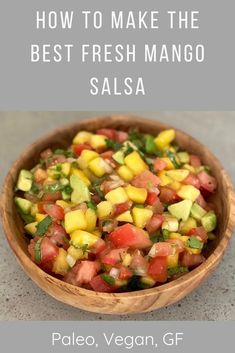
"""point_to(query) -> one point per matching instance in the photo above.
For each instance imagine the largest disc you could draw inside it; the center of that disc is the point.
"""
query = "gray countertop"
(21, 299)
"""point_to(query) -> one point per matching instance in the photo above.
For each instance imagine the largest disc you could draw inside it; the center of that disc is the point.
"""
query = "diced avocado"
(80, 190)
(181, 210)
(23, 204)
(119, 157)
(183, 157)
(65, 196)
(197, 212)
(209, 221)
(25, 180)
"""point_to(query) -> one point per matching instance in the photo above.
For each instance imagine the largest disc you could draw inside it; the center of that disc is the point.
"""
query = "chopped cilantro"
(83, 247)
(66, 153)
(54, 187)
(37, 251)
(165, 234)
(43, 226)
(108, 279)
(92, 205)
(113, 144)
(34, 189)
(67, 189)
(194, 243)
(27, 218)
(172, 157)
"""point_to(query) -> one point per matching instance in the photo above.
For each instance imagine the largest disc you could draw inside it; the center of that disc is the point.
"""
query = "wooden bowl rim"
(210, 262)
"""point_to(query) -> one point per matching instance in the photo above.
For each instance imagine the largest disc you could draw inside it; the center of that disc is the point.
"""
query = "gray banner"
(65, 85)
(117, 336)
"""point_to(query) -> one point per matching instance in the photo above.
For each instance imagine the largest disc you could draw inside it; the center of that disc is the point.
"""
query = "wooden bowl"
(119, 303)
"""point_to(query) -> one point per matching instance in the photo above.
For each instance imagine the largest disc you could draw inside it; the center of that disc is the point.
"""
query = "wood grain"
(119, 303)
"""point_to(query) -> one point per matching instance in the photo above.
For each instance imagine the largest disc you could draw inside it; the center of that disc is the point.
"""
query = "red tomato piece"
(159, 164)
(200, 232)
(195, 161)
(168, 195)
(48, 250)
(114, 256)
(46, 153)
(122, 207)
(192, 179)
(130, 236)
(79, 148)
(54, 211)
(125, 273)
(107, 155)
(58, 235)
(139, 264)
(98, 247)
(99, 285)
(154, 223)
(83, 273)
(207, 181)
(151, 198)
(52, 196)
(180, 247)
(158, 269)
(146, 179)
(201, 202)
(119, 136)
(40, 206)
(191, 260)
(162, 249)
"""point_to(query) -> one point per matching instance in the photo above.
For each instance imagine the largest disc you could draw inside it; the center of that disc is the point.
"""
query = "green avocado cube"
(25, 180)
(80, 192)
(181, 210)
(23, 204)
(197, 212)
(209, 221)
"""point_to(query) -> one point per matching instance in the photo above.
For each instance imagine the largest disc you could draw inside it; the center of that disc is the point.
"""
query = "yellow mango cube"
(77, 254)
(105, 209)
(99, 167)
(137, 195)
(193, 251)
(63, 204)
(40, 216)
(117, 195)
(34, 209)
(141, 216)
(125, 217)
(82, 238)
(85, 157)
(60, 265)
(148, 280)
(178, 174)
(173, 260)
(135, 163)
(91, 219)
(164, 138)
(74, 220)
(175, 185)
(165, 179)
(98, 142)
(125, 173)
(188, 192)
(81, 175)
(82, 137)
(31, 228)
(97, 232)
(185, 226)
(66, 168)
(169, 164)
(127, 260)
(189, 167)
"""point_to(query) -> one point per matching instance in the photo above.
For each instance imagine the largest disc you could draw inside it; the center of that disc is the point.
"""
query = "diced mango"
(184, 238)
(81, 175)
(193, 251)
(141, 216)
(97, 232)
(85, 157)
(77, 254)
(183, 157)
(40, 216)
(147, 280)
(165, 180)
(105, 209)
(60, 265)
(125, 217)
(164, 138)
(185, 226)
(135, 163)
(99, 167)
(137, 195)
(169, 164)
(74, 220)
(98, 142)
(81, 238)
(175, 185)
(63, 204)
(178, 174)
(189, 167)
(91, 219)
(66, 168)
(31, 228)
(172, 260)
(34, 209)
(82, 137)
(188, 192)
(117, 195)
(127, 260)
(125, 173)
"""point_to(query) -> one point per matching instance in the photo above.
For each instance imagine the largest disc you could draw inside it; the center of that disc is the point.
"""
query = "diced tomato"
(130, 236)
(98, 247)
(40, 206)
(154, 223)
(52, 196)
(119, 136)
(122, 207)
(99, 285)
(191, 260)
(200, 232)
(162, 249)
(158, 269)
(168, 195)
(159, 164)
(194, 161)
(46, 153)
(151, 198)
(180, 247)
(201, 202)
(83, 273)
(125, 273)
(58, 235)
(207, 181)
(192, 179)
(114, 256)
(54, 211)
(48, 250)
(139, 264)
(107, 155)
(79, 148)
(146, 180)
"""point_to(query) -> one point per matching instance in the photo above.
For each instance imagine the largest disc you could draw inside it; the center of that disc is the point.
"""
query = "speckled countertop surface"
(21, 299)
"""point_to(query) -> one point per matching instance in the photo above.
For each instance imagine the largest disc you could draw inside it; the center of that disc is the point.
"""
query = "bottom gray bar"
(117, 336)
